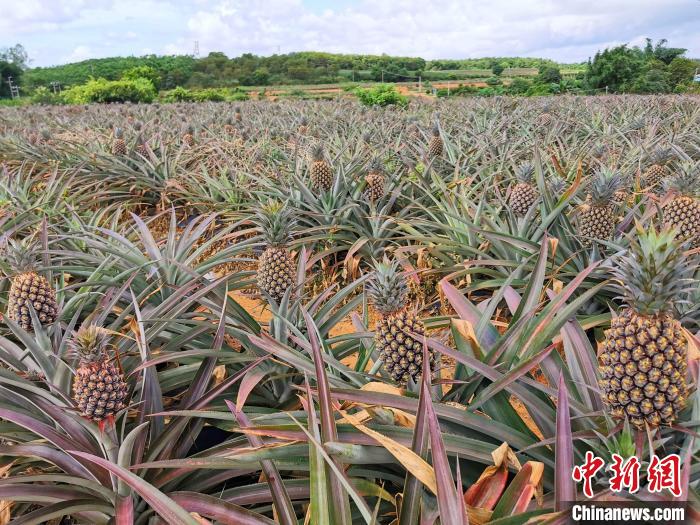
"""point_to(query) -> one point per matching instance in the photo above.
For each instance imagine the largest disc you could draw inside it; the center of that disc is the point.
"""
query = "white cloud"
(567, 30)
(79, 53)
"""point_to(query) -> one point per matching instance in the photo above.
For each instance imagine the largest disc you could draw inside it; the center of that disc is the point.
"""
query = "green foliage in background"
(381, 95)
(102, 90)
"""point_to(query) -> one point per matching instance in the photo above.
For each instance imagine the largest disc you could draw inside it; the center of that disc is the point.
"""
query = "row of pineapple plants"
(533, 230)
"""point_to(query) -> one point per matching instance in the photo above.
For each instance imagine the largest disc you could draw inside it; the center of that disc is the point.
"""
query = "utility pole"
(420, 86)
(382, 76)
(55, 86)
(14, 89)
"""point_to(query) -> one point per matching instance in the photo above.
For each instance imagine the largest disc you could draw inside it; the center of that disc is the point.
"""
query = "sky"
(62, 31)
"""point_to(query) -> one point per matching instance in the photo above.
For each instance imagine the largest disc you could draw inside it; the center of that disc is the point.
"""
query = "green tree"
(681, 70)
(16, 55)
(497, 69)
(615, 68)
(146, 72)
(548, 74)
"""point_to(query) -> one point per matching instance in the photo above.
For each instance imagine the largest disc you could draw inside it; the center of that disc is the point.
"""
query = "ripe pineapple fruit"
(141, 147)
(401, 354)
(188, 137)
(303, 126)
(435, 146)
(524, 193)
(644, 355)
(655, 174)
(237, 113)
(683, 211)
(28, 288)
(321, 171)
(276, 268)
(375, 181)
(99, 388)
(119, 144)
(597, 218)
(229, 129)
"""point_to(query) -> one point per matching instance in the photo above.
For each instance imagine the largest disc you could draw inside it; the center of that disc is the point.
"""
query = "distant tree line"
(649, 69)
(654, 68)
(218, 70)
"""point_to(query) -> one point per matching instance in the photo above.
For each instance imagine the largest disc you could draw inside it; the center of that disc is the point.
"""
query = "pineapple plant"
(303, 128)
(597, 217)
(119, 144)
(141, 148)
(400, 353)
(237, 113)
(321, 171)
(683, 210)
(644, 354)
(435, 146)
(375, 181)
(276, 268)
(188, 136)
(524, 194)
(28, 289)
(99, 388)
(229, 129)
(655, 174)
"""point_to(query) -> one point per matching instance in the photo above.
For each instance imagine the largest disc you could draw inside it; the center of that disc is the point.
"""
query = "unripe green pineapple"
(524, 194)
(321, 171)
(655, 174)
(276, 268)
(435, 146)
(683, 211)
(119, 144)
(644, 354)
(597, 218)
(28, 289)
(375, 181)
(99, 388)
(401, 353)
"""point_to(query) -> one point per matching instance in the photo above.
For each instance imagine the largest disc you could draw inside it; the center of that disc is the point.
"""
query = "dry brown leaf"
(416, 465)
(382, 388)
(693, 345)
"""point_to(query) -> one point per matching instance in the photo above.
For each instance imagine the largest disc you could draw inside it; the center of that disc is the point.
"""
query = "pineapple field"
(316, 312)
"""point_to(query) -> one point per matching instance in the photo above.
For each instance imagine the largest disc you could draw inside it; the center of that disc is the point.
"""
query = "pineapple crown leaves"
(525, 173)
(654, 273)
(317, 153)
(375, 166)
(661, 156)
(388, 287)
(604, 185)
(276, 221)
(436, 130)
(118, 133)
(686, 180)
(90, 343)
(21, 256)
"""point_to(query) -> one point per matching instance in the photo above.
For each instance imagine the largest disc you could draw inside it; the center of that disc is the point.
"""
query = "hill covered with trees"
(218, 70)
(653, 68)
